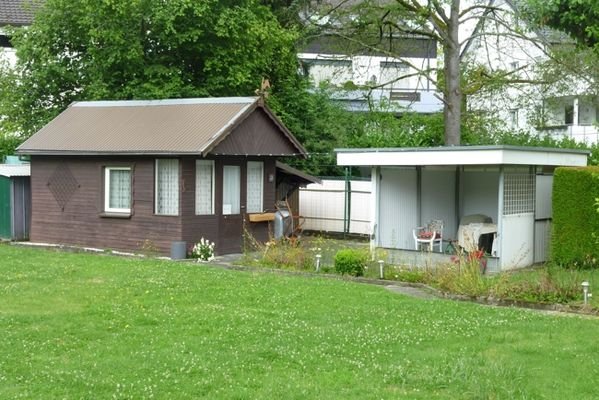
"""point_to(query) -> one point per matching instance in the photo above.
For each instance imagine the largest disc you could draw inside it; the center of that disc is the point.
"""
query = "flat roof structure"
(462, 155)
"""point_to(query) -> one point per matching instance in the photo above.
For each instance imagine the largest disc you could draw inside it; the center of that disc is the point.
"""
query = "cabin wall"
(73, 213)
(225, 231)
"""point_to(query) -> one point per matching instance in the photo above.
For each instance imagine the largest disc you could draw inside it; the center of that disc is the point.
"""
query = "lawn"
(98, 326)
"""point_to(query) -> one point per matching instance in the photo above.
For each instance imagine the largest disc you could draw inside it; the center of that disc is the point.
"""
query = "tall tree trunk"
(452, 91)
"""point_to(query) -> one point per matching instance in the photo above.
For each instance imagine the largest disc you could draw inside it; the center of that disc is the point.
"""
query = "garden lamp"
(585, 292)
(381, 269)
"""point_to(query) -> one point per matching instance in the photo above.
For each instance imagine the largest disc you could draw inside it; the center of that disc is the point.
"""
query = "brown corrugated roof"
(177, 126)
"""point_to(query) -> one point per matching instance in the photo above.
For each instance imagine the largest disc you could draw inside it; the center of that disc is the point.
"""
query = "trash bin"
(178, 250)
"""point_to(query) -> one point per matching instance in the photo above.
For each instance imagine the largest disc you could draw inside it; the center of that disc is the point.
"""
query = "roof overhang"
(462, 155)
(10, 170)
(301, 177)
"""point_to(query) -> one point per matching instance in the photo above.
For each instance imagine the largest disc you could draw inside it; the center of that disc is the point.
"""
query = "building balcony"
(588, 134)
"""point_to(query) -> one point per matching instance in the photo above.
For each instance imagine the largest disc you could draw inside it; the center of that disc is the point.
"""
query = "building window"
(167, 187)
(204, 187)
(117, 189)
(255, 186)
(569, 115)
(513, 118)
(231, 189)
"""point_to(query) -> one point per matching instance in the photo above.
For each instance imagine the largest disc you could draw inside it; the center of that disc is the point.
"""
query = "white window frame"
(107, 207)
(157, 161)
(211, 163)
(259, 207)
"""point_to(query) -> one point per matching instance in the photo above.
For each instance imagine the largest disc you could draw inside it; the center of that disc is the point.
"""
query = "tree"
(374, 26)
(578, 18)
(141, 49)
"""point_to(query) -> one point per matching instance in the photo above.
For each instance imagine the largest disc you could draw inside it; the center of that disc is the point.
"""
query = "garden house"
(15, 201)
(494, 198)
(134, 175)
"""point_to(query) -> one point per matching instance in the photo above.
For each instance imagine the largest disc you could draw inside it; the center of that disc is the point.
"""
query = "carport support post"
(347, 202)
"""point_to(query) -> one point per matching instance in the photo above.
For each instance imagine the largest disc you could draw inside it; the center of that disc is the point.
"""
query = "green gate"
(5, 212)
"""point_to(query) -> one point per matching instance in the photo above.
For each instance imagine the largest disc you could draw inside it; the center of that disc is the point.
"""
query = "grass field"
(96, 326)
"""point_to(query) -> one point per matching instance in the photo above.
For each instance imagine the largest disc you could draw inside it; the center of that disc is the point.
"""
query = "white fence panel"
(323, 205)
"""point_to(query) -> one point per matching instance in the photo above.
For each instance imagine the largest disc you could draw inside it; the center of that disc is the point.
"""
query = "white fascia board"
(459, 157)
(545, 158)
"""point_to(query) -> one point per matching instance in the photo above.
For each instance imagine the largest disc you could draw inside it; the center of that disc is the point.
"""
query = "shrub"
(575, 219)
(203, 250)
(286, 254)
(351, 261)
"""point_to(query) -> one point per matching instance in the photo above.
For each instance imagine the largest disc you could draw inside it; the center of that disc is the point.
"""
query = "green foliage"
(8, 144)
(285, 254)
(351, 262)
(577, 18)
(544, 286)
(575, 220)
(132, 49)
(463, 278)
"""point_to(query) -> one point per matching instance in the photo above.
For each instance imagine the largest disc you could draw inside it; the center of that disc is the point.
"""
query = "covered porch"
(493, 198)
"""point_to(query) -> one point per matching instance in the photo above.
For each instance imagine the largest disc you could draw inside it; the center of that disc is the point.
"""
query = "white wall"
(517, 241)
(398, 206)
(437, 198)
(479, 192)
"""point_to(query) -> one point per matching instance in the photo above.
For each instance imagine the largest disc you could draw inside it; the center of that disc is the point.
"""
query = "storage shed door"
(398, 208)
(5, 219)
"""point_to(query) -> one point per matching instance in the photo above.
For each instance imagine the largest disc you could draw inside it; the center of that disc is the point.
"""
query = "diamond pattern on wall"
(62, 185)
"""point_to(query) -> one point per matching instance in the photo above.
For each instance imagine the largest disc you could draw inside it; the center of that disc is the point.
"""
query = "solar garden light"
(318, 257)
(585, 292)
(381, 269)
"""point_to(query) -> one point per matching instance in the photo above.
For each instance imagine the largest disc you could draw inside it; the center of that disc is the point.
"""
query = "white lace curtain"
(204, 187)
(255, 183)
(231, 189)
(119, 188)
(167, 186)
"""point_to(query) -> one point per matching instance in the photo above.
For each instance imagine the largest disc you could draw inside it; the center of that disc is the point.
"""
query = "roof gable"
(177, 126)
(258, 134)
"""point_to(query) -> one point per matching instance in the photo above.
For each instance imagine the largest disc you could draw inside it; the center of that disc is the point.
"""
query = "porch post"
(375, 173)
(575, 113)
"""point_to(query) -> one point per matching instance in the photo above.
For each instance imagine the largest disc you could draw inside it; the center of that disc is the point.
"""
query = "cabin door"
(233, 210)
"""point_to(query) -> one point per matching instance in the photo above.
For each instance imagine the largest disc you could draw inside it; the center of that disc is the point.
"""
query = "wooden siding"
(256, 135)
(81, 221)
(228, 237)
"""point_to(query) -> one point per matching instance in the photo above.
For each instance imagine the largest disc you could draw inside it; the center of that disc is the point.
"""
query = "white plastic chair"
(430, 235)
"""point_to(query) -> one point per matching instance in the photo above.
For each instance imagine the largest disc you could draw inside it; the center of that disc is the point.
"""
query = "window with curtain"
(204, 187)
(231, 189)
(167, 186)
(117, 189)
(255, 186)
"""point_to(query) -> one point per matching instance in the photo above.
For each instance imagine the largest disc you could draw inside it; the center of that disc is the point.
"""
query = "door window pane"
(255, 186)
(231, 189)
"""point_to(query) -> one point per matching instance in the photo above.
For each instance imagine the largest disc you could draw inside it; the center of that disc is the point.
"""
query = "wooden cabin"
(125, 174)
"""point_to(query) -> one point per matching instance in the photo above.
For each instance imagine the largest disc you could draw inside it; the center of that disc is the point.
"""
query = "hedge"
(575, 232)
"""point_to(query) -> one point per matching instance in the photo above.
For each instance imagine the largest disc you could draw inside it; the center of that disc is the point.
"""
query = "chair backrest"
(436, 225)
